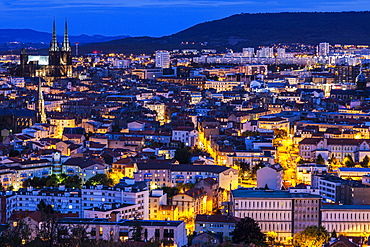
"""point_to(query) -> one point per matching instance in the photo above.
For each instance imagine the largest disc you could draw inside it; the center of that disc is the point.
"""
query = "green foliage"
(320, 160)
(247, 231)
(185, 187)
(45, 208)
(301, 161)
(348, 161)
(333, 234)
(245, 167)
(136, 231)
(14, 235)
(365, 161)
(280, 134)
(312, 236)
(53, 181)
(100, 178)
(70, 181)
(256, 168)
(183, 155)
(13, 153)
(251, 133)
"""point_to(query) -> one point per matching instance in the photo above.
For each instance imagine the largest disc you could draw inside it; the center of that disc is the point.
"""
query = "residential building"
(219, 224)
(280, 211)
(162, 59)
(120, 230)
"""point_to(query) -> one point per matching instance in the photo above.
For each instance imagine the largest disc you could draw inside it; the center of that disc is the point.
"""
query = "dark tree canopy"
(313, 236)
(183, 155)
(100, 178)
(320, 160)
(348, 161)
(247, 231)
(45, 208)
(137, 230)
(365, 161)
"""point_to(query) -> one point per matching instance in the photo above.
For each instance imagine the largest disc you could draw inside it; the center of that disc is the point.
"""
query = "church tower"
(54, 54)
(41, 115)
(361, 81)
(66, 54)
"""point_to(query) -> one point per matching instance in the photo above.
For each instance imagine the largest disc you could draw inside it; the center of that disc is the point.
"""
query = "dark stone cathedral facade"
(59, 60)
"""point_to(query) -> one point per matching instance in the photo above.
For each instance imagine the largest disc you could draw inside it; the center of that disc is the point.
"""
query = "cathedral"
(59, 60)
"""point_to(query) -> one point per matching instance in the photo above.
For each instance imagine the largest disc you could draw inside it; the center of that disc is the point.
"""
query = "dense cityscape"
(266, 146)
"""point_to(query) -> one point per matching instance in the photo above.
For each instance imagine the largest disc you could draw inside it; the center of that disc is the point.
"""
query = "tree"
(312, 236)
(99, 178)
(333, 234)
(13, 153)
(301, 161)
(45, 208)
(320, 160)
(116, 176)
(183, 155)
(271, 236)
(73, 182)
(136, 231)
(365, 161)
(247, 231)
(251, 133)
(2, 187)
(280, 133)
(48, 229)
(15, 235)
(348, 161)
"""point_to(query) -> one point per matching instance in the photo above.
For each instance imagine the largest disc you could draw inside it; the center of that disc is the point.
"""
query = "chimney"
(113, 217)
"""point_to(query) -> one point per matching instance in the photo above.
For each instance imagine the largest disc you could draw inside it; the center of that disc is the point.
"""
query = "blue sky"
(147, 17)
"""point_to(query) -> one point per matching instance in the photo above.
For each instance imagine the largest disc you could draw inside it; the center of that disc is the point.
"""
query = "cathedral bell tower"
(66, 54)
(54, 54)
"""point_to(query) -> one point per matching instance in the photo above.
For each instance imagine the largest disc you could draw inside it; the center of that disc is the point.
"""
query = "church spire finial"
(54, 43)
(66, 45)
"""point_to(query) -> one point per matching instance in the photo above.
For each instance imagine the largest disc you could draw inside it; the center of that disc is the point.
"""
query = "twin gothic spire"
(54, 43)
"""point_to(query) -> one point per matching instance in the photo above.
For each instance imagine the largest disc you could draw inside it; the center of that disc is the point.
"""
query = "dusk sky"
(147, 17)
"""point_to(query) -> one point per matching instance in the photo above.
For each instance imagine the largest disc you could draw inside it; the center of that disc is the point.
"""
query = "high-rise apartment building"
(162, 59)
(265, 52)
(281, 52)
(323, 49)
(248, 52)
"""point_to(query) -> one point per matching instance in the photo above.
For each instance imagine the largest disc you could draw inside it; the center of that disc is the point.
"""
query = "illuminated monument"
(58, 64)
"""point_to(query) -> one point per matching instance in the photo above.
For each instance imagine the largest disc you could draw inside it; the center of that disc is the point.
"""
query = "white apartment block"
(248, 52)
(186, 135)
(350, 220)
(162, 59)
(278, 211)
(61, 199)
(99, 197)
(323, 49)
(173, 232)
(265, 52)
(130, 192)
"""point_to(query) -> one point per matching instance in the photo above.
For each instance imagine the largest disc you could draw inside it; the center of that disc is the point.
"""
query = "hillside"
(244, 30)
(39, 40)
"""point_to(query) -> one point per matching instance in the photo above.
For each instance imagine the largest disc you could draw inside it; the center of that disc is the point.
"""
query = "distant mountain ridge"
(29, 36)
(252, 30)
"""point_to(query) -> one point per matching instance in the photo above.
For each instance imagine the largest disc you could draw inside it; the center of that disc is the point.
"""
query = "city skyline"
(147, 18)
